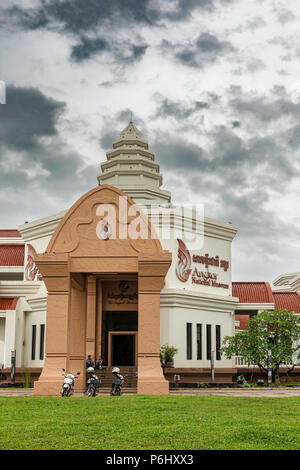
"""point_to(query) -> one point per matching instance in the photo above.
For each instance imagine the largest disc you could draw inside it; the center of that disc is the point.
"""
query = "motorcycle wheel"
(91, 392)
(65, 392)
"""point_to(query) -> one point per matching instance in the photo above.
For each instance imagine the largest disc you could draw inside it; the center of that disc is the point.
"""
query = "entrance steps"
(130, 378)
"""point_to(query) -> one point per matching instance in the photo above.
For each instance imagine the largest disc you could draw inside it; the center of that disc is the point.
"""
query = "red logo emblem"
(105, 233)
(183, 268)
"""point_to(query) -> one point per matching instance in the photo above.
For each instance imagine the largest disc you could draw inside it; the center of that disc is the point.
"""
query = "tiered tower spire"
(131, 167)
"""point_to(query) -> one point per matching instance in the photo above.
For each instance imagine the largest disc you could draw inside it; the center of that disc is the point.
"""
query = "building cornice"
(255, 306)
(11, 269)
(11, 241)
(131, 151)
(137, 142)
(41, 227)
(130, 172)
(18, 288)
(38, 302)
(140, 161)
(286, 279)
(191, 299)
(217, 229)
(205, 226)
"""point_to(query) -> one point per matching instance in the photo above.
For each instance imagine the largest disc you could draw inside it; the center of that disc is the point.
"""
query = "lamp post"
(13, 366)
(212, 365)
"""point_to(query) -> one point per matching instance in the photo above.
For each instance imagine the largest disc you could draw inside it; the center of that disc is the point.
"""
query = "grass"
(149, 422)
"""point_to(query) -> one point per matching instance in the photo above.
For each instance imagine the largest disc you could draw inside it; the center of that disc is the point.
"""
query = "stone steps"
(128, 372)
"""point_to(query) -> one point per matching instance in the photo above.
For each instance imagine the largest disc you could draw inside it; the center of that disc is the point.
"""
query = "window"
(208, 342)
(42, 341)
(199, 341)
(218, 342)
(33, 342)
(189, 341)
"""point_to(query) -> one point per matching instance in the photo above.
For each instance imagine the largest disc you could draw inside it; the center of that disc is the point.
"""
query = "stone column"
(91, 317)
(151, 277)
(77, 335)
(99, 351)
(55, 271)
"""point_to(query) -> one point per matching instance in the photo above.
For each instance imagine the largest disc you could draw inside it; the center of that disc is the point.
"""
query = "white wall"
(2, 340)
(173, 333)
(10, 334)
(33, 318)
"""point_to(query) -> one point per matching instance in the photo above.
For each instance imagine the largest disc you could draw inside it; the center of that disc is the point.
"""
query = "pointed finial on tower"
(130, 132)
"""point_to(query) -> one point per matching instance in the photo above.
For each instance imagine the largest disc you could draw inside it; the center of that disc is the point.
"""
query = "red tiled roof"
(8, 303)
(243, 319)
(252, 292)
(287, 301)
(9, 233)
(12, 255)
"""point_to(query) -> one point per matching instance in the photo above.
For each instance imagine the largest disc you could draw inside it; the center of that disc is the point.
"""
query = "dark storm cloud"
(293, 137)
(107, 139)
(27, 115)
(205, 49)
(176, 154)
(245, 173)
(88, 47)
(118, 122)
(104, 19)
(178, 109)
(32, 166)
(77, 16)
(265, 108)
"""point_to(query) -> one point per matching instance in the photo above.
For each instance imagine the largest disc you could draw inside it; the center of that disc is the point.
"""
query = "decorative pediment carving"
(105, 222)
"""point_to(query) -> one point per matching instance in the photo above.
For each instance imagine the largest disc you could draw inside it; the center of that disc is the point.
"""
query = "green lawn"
(149, 422)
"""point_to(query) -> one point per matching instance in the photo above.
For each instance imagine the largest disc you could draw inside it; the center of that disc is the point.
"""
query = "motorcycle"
(68, 384)
(116, 389)
(93, 383)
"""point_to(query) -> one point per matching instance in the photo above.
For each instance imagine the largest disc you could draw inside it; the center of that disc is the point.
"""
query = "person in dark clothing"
(99, 363)
(2, 376)
(89, 361)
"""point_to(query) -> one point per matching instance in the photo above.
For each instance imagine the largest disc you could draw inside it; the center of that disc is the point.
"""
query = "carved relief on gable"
(105, 222)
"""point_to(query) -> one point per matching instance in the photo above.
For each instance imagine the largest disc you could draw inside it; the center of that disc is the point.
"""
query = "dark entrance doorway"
(121, 323)
(123, 349)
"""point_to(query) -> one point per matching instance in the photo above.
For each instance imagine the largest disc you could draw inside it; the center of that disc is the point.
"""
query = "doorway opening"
(122, 348)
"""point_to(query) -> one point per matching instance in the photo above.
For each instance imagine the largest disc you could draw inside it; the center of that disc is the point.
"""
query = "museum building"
(121, 273)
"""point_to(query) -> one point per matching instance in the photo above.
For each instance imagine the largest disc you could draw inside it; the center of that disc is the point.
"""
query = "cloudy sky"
(214, 85)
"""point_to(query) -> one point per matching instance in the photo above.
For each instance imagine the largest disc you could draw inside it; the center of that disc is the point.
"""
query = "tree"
(277, 331)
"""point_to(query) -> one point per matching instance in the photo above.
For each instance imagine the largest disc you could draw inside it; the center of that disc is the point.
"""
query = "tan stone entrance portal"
(87, 250)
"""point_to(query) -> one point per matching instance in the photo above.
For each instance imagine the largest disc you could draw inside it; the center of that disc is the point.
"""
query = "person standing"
(89, 361)
(99, 363)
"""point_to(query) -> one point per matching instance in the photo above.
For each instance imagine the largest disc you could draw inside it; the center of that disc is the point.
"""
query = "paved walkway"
(225, 392)
(16, 392)
(242, 392)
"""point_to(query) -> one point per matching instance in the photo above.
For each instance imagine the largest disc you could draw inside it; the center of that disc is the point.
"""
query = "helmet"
(90, 370)
(116, 370)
